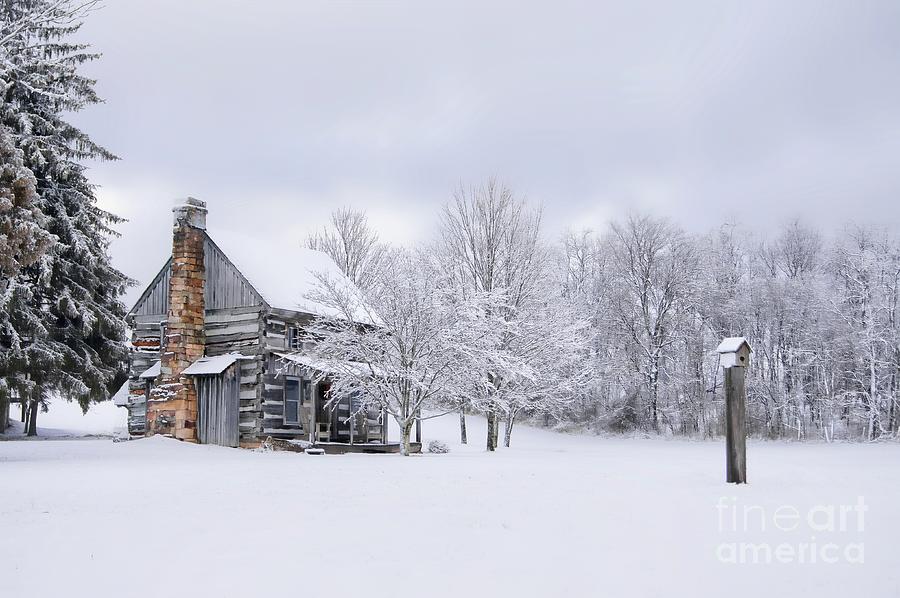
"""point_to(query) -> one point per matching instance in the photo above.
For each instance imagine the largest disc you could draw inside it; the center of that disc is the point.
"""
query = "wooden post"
(351, 421)
(735, 426)
(734, 357)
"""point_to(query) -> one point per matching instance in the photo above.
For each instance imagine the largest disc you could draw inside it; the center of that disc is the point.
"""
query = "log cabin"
(217, 349)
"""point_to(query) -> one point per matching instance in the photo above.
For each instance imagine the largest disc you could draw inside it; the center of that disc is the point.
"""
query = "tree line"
(615, 330)
(611, 330)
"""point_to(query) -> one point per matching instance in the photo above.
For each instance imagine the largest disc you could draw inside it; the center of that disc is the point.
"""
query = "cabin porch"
(307, 413)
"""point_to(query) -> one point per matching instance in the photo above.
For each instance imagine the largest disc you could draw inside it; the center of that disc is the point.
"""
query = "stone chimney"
(172, 408)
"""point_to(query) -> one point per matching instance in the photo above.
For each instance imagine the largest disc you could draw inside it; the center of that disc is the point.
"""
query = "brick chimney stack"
(172, 408)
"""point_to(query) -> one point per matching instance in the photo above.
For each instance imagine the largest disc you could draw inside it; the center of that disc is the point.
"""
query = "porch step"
(285, 431)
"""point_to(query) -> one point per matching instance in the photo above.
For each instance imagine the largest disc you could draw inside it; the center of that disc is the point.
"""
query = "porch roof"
(328, 367)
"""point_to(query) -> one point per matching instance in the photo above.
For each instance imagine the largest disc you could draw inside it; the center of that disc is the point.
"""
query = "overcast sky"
(276, 112)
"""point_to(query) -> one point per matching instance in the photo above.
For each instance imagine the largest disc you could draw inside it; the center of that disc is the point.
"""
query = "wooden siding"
(155, 298)
(239, 330)
(217, 410)
(274, 339)
(145, 339)
(225, 286)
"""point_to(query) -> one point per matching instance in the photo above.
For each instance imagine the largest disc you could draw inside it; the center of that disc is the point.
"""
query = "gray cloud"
(701, 111)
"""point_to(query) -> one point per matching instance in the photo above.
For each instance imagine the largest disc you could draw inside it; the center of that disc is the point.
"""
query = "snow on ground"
(64, 419)
(554, 515)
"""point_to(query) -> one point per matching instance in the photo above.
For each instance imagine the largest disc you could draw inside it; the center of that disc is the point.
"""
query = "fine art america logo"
(819, 534)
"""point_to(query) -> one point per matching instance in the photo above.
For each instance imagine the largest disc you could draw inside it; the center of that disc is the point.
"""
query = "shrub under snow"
(436, 446)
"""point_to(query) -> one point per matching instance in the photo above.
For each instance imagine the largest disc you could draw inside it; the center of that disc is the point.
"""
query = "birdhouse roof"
(732, 344)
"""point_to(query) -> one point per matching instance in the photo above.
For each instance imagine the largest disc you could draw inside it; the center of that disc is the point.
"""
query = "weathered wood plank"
(233, 338)
(231, 329)
(238, 310)
(735, 426)
(229, 317)
(284, 431)
(150, 319)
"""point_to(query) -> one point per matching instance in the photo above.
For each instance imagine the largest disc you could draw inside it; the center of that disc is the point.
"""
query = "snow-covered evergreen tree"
(23, 242)
(71, 299)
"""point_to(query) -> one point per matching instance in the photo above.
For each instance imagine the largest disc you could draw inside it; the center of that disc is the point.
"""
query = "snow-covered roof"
(211, 365)
(286, 277)
(732, 344)
(152, 372)
(120, 399)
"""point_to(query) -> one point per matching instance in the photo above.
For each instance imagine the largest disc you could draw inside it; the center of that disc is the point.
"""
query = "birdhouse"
(734, 352)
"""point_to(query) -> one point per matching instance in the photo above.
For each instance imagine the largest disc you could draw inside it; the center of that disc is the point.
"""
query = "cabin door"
(340, 430)
(218, 408)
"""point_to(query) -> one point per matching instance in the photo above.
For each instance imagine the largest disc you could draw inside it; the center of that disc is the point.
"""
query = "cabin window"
(296, 394)
(295, 339)
(292, 401)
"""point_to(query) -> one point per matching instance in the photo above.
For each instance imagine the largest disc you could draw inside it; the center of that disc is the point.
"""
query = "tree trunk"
(873, 397)
(892, 417)
(491, 444)
(507, 434)
(4, 412)
(24, 409)
(31, 424)
(654, 391)
(462, 427)
(405, 431)
(495, 432)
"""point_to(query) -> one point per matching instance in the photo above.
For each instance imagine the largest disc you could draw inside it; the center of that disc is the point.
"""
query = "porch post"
(314, 399)
(350, 419)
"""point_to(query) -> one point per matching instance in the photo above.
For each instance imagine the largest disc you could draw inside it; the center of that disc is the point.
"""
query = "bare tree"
(353, 245)
(794, 252)
(490, 241)
(420, 350)
(656, 267)
(865, 265)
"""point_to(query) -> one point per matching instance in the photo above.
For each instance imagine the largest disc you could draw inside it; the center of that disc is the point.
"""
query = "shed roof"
(152, 372)
(212, 365)
(732, 344)
(120, 399)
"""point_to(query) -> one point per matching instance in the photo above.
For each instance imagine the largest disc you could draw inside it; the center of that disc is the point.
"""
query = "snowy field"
(554, 515)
